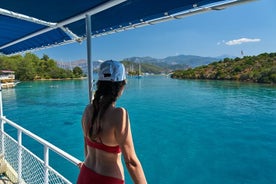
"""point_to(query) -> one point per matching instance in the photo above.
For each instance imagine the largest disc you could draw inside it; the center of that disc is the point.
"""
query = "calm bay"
(184, 131)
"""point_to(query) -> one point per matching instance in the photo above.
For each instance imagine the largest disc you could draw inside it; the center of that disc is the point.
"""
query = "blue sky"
(249, 27)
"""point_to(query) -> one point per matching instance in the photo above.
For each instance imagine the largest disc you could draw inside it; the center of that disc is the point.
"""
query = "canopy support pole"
(89, 58)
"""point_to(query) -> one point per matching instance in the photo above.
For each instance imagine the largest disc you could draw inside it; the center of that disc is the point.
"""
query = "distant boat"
(139, 76)
(7, 79)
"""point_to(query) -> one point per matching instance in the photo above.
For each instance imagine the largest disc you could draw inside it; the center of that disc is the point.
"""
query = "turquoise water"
(185, 131)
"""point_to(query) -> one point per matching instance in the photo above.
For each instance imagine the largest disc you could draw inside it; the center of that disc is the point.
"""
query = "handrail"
(57, 150)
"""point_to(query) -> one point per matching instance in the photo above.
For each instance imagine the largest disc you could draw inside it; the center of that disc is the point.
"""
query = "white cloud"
(242, 40)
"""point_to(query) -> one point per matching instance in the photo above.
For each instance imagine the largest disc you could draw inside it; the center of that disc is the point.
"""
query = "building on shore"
(7, 79)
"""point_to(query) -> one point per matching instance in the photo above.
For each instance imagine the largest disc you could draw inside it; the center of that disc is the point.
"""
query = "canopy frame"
(52, 26)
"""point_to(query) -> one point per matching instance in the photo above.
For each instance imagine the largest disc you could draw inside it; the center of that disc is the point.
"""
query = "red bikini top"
(103, 147)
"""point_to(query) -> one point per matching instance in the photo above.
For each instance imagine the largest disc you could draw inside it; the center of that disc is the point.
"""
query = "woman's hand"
(80, 165)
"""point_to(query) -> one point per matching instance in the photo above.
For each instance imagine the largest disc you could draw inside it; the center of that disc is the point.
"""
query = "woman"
(107, 132)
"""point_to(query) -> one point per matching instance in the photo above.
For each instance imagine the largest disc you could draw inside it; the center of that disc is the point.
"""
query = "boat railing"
(22, 165)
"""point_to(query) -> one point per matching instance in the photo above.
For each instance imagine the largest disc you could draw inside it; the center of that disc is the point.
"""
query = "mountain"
(142, 60)
(82, 63)
(149, 64)
(174, 62)
(226, 56)
(190, 60)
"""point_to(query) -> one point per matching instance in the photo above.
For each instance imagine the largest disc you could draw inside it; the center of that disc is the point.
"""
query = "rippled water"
(185, 131)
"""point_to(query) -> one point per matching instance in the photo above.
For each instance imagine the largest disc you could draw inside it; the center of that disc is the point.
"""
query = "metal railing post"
(19, 140)
(46, 164)
(2, 122)
(1, 103)
(2, 137)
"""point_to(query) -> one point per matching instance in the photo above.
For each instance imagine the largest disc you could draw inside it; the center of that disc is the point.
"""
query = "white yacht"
(7, 79)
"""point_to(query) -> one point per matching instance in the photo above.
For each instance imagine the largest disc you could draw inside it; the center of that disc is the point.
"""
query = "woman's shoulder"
(120, 111)
(119, 114)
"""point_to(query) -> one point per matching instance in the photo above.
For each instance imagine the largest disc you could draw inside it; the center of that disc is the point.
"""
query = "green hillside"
(260, 69)
(133, 68)
(31, 67)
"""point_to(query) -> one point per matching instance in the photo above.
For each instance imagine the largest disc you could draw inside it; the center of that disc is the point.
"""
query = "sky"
(248, 29)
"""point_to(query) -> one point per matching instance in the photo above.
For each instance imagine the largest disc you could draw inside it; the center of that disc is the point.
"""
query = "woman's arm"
(124, 138)
(85, 117)
(84, 127)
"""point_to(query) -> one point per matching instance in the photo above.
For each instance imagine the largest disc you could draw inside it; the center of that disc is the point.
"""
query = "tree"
(26, 71)
(45, 57)
(77, 71)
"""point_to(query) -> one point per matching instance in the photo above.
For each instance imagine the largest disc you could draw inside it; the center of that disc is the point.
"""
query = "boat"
(7, 79)
(139, 76)
(32, 30)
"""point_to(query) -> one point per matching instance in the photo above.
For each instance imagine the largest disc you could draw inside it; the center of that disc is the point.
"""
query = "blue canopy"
(29, 24)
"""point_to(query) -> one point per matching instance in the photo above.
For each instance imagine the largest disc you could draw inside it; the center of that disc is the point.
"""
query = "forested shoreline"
(31, 67)
(259, 69)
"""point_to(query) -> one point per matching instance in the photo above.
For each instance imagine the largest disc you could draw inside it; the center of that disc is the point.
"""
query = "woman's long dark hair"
(107, 92)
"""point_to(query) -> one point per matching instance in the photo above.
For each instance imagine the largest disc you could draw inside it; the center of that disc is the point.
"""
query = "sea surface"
(184, 131)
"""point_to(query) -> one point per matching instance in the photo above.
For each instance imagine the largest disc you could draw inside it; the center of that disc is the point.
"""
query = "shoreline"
(81, 78)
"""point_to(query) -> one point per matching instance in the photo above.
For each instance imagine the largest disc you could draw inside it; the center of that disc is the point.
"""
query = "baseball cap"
(112, 71)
